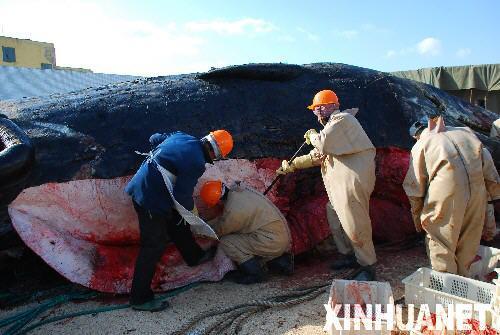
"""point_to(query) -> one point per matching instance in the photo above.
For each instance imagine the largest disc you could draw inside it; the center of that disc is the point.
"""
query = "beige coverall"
(347, 159)
(495, 129)
(448, 182)
(251, 225)
(490, 225)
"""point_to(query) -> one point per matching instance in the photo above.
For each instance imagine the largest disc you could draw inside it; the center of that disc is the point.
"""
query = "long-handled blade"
(279, 176)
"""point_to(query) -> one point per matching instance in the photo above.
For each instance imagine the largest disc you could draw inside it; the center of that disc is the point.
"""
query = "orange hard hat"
(324, 97)
(224, 141)
(211, 192)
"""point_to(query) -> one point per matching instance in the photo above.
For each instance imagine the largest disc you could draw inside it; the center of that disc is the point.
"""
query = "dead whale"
(86, 141)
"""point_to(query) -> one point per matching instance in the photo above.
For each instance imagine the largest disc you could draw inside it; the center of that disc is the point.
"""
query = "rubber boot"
(250, 272)
(282, 264)
(365, 273)
(152, 306)
(345, 262)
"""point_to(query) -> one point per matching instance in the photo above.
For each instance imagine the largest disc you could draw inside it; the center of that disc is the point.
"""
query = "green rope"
(22, 319)
(72, 315)
(233, 317)
(9, 299)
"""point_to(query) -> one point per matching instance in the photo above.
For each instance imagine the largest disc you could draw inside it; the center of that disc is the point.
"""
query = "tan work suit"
(347, 159)
(447, 183)
(495, 129)
(490, 225)
(251, 225)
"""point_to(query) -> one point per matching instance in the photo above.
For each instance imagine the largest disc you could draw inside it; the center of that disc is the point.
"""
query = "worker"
(177, 159)
(489, 230)
(418, 127)
(347, 159)
(448, 181)
(251, 230)
(490, 225)
(495, 129)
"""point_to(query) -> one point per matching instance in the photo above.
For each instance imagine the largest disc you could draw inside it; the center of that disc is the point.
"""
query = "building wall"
(28, 53)
(488, 100)
(68, 68)
(18, 82)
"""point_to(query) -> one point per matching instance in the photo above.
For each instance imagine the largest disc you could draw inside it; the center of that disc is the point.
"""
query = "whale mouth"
(87, 229)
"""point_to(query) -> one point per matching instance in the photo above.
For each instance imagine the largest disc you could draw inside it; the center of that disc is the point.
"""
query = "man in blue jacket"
(184, 157)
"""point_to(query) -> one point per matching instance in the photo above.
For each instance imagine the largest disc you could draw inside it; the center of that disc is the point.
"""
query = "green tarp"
(450, 78)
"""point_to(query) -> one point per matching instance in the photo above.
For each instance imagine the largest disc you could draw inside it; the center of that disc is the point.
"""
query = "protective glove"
(299, 163)
(307, 135)
(285, 168)
(303, 162)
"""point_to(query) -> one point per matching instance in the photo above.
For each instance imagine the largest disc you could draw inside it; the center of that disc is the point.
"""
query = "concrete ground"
(305, 318)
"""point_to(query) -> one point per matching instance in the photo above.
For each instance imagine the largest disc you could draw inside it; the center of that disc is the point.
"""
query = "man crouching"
(252, 230)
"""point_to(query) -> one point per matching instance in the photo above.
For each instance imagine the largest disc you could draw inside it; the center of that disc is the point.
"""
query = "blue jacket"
(182, 155)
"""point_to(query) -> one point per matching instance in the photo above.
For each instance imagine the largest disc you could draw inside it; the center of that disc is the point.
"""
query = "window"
(9, 54)
(46, 66)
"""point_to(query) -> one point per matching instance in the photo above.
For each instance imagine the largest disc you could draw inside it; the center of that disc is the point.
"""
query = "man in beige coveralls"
(448, 182)
(495, 129)
(490, 225)
(347, 159)
(251, 229)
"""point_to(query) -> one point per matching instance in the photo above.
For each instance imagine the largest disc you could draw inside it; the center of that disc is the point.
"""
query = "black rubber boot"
(151, 306)
(250, 272)
(365, 273)
(208, 255)
(345, 262)
(282, 264)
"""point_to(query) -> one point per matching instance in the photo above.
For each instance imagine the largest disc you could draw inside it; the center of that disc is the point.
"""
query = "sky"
(162, 37)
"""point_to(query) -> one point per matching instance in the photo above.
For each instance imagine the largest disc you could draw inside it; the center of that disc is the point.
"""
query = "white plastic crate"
(488, 260)
(361, 293)
(496, 302)
(426, 286)
(433, 287)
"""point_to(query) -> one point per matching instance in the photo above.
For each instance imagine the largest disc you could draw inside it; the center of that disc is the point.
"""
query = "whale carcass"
(72, 210)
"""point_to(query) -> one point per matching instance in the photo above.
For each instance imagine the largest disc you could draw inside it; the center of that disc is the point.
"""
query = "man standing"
(181, 159)
(448, 182)
(347, 159)
(490, 224)
(251, 229)
(495, 129)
